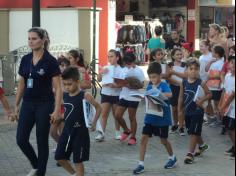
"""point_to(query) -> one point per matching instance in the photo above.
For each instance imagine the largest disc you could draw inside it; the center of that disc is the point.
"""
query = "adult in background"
(176, 41)
(39, 74)
(156, 42)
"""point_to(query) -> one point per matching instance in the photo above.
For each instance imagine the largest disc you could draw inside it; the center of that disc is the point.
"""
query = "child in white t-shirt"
(133, 80)
(214, 81)
(110, 91)
(227, 105)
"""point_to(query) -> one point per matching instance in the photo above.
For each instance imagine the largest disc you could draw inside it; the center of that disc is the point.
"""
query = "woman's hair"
(219, 50)
(216, 27)
(129, 58)
(77, 55)
(174, 51)
(63, 60)
(154, 52)
(43, 34)
(117, 54)
(158, 30)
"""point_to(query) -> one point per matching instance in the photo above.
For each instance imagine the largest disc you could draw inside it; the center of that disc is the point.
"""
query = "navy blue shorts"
(194, 124)
(229, 123)
(128, 104)
(78, 143)
(150, 130)
(109, 99)
(175, 95)
(216, 95)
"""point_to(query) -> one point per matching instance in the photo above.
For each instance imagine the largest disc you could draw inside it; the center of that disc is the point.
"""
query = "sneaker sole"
(139, 172)
(175, 165)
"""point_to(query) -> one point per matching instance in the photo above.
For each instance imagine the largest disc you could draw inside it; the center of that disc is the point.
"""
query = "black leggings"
(35, 113)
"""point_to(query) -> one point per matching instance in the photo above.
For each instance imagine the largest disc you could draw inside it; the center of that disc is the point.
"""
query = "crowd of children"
(179, 79)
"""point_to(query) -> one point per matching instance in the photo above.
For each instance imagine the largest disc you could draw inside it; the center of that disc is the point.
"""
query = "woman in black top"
(39, 74)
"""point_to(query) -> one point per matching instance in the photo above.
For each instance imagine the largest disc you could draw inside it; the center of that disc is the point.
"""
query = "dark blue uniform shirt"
(42, 74)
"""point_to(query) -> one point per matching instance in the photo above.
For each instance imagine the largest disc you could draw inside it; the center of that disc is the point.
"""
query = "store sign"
(129, 18)
(191, 15)
(216, 2)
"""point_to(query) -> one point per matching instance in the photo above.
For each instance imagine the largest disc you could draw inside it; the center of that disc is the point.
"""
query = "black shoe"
(230, 151)
(232, 156)
(182, 132)
(174, 129)
(189, 159)
(223, 131)
(202, 150)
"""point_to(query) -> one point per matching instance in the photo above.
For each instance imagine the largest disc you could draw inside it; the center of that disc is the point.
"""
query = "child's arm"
(181, 75)
(208, 66)
(19, 95)
(97, 106)
(228, 101)
(6, 106)
(181, 100)
(207, 97)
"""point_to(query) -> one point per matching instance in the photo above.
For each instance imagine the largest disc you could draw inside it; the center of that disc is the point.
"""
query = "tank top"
(190, 90)
(74, 112)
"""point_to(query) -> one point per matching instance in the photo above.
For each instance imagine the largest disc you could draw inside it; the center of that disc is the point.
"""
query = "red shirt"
(1, 91)
(226, 68)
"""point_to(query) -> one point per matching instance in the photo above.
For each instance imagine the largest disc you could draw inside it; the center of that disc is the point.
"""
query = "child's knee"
(164, 142)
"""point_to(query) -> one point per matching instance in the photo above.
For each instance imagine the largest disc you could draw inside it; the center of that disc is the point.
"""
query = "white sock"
(141, 163)
(172, 157)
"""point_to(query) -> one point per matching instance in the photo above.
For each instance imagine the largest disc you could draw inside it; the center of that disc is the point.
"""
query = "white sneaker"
(33, 172)
(117, 136)
(100, 137)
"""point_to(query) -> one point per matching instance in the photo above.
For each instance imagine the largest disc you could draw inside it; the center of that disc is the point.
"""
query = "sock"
(172, 157)
(141, 163)
(74, 174)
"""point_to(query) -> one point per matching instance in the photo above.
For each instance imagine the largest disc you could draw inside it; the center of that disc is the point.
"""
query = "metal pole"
(94, 38)
(35, 13)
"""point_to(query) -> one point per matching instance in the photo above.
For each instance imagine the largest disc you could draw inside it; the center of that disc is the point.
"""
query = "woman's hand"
(55, 117)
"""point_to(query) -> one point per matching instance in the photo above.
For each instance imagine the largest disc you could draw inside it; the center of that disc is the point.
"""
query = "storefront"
(221, 12)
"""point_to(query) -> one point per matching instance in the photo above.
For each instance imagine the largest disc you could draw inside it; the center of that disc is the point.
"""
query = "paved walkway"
(112, 158)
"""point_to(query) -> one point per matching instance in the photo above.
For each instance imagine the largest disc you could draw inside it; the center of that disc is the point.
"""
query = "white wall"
(62, 25)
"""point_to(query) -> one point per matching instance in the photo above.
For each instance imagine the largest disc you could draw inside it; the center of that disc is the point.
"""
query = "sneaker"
(189, 159)
(117, 136)
(124, 136)
(232, 156)
(174, 129)
(182, 132)
(33, 172)
(202, 150)
(223, 131)
(100, 137)
(132, 141)
(230, 151)
(171, 163)
(138, 170)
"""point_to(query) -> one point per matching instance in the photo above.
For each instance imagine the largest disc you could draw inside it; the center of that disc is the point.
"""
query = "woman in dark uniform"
(39, 74)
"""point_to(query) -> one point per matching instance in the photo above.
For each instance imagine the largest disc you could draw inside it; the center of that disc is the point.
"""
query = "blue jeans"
(35, 113)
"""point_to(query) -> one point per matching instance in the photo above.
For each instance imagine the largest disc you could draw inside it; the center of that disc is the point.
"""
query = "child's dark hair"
(173, 52)
(231, 58)
(154, 52)
(63, 60)
(129, 58)
(117, 53)
(76, 54)
(193, 62)
(219, 50)
(154, 68)
(71, 73)
(158, 30)
(207, 43)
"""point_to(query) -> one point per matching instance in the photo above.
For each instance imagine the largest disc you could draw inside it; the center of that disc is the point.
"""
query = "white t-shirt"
(216, 66)
(116, 72)
(131, 72)
(178, 69)
(204, 60)
(229, 86)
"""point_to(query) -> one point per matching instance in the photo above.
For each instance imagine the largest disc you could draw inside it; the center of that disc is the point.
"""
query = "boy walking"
(75, 135)
(155, 125)
(194, 111)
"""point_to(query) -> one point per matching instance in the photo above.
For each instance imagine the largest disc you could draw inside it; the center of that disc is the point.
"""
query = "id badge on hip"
(30, 83)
